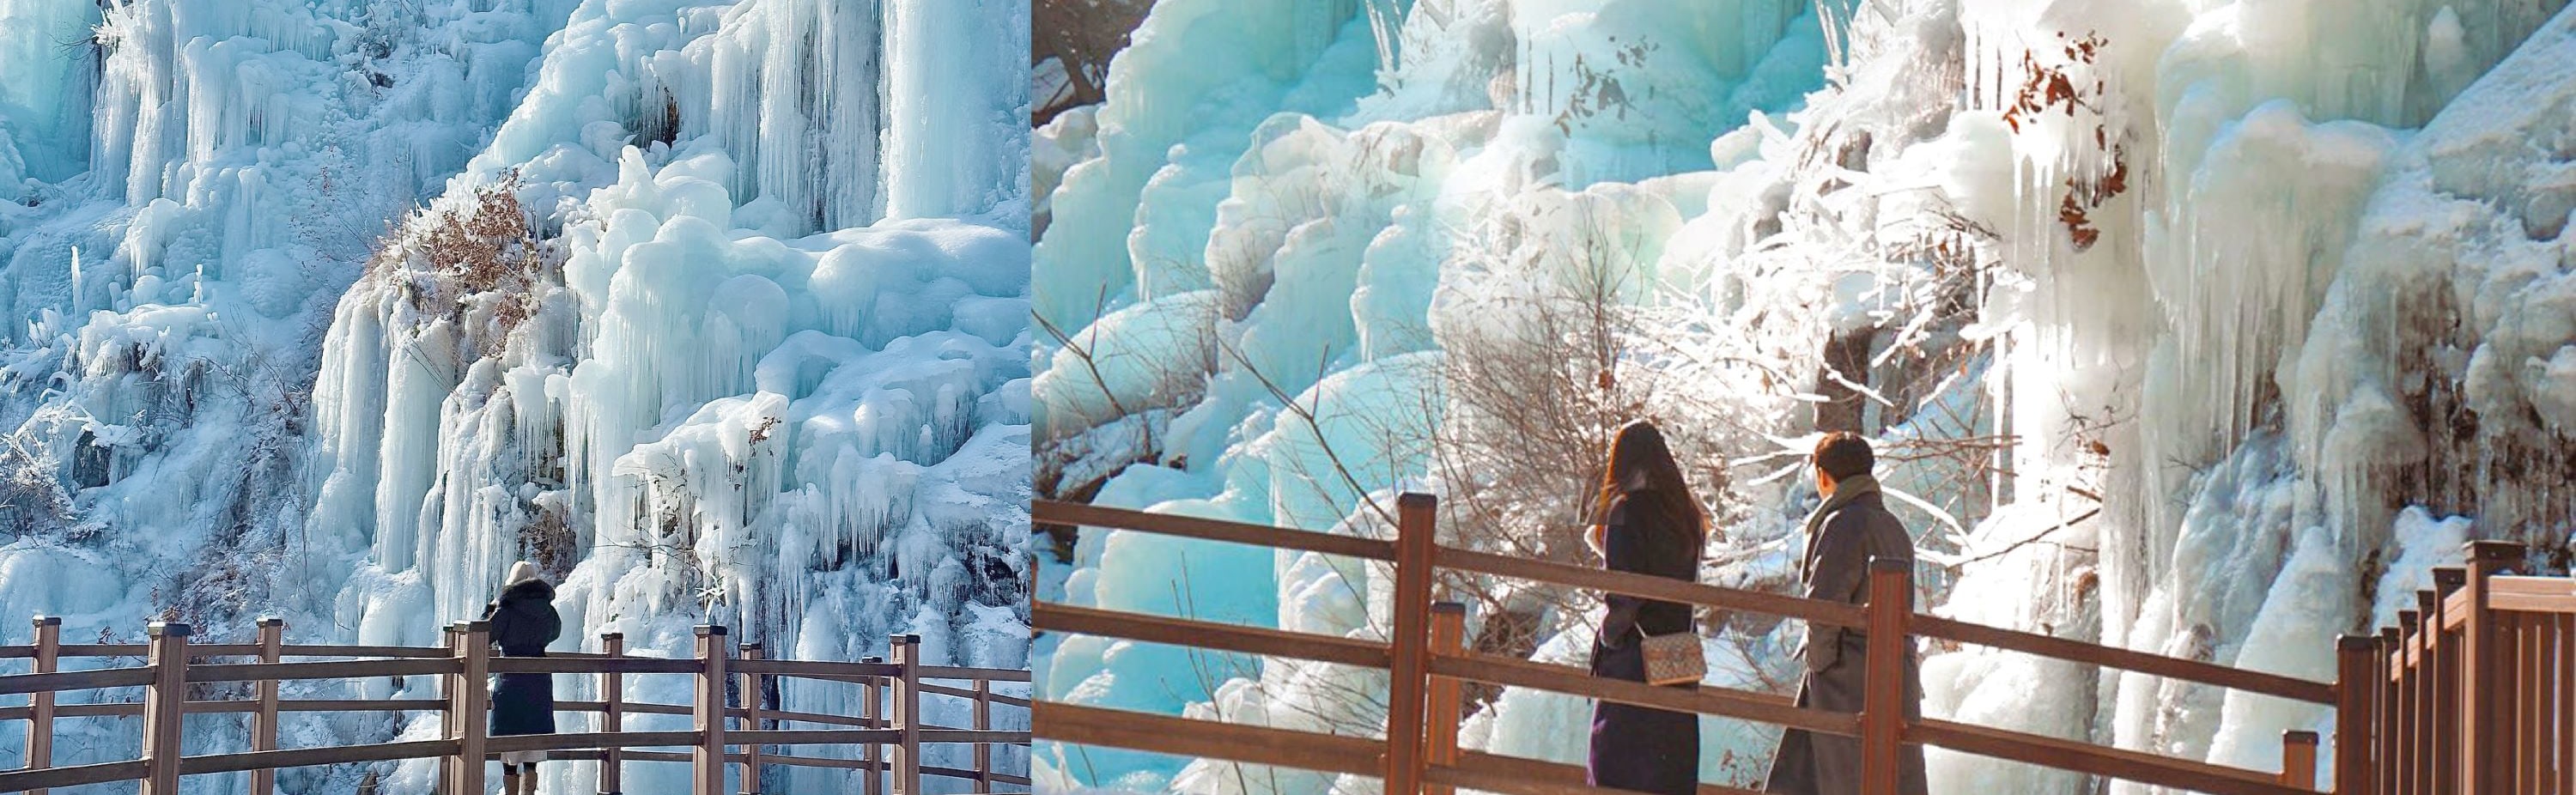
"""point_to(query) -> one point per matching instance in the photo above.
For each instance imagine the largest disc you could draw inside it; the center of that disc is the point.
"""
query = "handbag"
(1674, 658)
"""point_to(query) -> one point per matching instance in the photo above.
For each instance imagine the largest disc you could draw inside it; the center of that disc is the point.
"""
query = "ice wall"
(2154, 348)
(340, 307)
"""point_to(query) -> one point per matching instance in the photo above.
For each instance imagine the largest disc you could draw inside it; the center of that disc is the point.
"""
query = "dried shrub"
(2048, 87)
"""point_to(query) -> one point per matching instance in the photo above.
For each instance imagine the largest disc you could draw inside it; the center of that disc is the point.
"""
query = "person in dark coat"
(1851, 527)
(1646, 523)
(523, 623)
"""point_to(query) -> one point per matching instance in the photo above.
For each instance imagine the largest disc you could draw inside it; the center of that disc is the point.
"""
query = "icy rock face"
(717, 311)
(2166, 302)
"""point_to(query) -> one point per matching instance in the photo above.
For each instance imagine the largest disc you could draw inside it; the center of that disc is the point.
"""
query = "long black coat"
(523, 622)
(1837, 566)
(1636, 748)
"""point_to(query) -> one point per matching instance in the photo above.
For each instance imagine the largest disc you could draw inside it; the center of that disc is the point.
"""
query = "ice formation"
(333, 309)
(2234, 337)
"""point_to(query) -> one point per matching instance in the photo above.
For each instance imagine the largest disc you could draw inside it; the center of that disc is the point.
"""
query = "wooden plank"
(612, 714)
(2383, 653)
(495, 746)
(1440, 709)
(870, 702)
(263, 720)
(2532, 594)
(1704, 700)
(815, 736)
(707, 757)
(337, 669)
(163, 707)
(930, 736)
(907, 715)
(412, 652)
(40, 704)
(1512, 775)
(2269, 684)
(135, 650)
(1074, 513)
(314, 757)
(1882, 724)
(1260, 641)
(2441, 676)
(75, 680)
(1409, 652)
(2566, 704)
(2097, 760)
(1812, 611)
(473, 704)
(976, 674)
(1163, 734)
(983, 718)
(2354, 709)
(592, 665)
(750, 713)
(805, 669)
(2299, 760)
(2482, 705)
(73, 776)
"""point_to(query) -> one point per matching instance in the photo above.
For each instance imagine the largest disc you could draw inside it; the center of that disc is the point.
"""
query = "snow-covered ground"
(331, 309)
(2182, 324)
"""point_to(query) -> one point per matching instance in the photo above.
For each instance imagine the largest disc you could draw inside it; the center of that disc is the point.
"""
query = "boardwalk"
(2475, 693)
(727, 729)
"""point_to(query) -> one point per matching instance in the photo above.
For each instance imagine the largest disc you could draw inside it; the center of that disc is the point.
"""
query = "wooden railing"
(721, 723)
(1427, 661)
(2477, 684)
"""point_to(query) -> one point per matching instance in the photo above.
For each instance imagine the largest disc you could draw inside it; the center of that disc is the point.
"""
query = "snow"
(333, 309)
(2310, 296)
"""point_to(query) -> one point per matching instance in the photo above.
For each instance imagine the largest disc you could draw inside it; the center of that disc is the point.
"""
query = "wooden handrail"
(1705, 700)
(1232, 742)
(1813, 611)
(1074, 513)
(2251, 681)
(75, 680)
(1237, 638)
(2080, 757)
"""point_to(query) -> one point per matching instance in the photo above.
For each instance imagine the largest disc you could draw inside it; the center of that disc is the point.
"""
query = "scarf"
(1845, 491)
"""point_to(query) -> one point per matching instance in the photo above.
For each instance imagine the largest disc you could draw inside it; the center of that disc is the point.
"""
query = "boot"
(509, 782)
(528, 782)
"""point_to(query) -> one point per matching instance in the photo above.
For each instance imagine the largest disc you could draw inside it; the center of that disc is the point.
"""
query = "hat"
(520, 572)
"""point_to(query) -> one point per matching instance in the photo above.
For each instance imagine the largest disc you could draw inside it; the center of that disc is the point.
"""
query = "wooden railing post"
(707, 759)
(2414, 712)
(2299, 760)
(871, 703)
(2483, 709)
(263, 724)
(1416, 523)
(2354, 690)
(1440, 706)
(1882, 717)
(907, 715)
(2437, 662)
(164, 706)
(983, 722)
(751, 721)
(2390, 661)
(612, 716)
(40, 704)
(473, 703)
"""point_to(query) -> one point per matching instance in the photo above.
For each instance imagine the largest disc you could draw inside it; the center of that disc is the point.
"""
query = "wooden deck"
(733, 722)
(2512, 730)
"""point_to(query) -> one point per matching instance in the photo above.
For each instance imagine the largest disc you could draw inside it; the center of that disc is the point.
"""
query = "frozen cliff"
(2179, 324)
(332, 310)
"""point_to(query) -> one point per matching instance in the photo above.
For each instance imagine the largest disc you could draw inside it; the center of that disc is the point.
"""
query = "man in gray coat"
(1852, 527)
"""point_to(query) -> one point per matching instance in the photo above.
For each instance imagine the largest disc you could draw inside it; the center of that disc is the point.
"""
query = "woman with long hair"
(523, 623)
(1646, 522)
